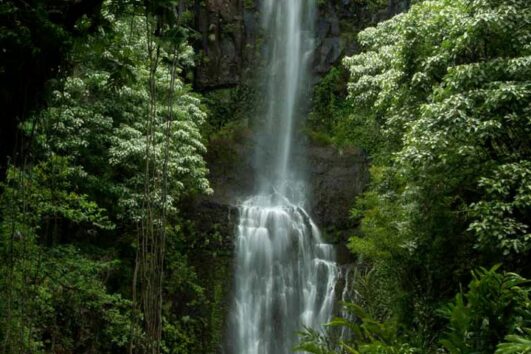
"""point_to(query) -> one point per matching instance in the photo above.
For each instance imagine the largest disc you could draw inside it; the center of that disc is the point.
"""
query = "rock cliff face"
(339, 21)
(227, 31)
(336, 178)
(229, 35)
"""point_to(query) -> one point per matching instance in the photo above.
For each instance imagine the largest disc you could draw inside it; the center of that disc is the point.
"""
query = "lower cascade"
(285, 276)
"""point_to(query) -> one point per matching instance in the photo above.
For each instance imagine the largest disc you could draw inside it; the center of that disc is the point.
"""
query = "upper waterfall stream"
(285, 275)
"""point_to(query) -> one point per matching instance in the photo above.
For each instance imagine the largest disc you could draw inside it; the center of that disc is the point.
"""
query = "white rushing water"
(285, 275)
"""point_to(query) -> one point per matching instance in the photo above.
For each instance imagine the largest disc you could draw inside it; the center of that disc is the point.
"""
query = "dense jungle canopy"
(127, 126)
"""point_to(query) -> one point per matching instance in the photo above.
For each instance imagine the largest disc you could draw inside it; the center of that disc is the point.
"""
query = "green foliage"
(312, 341)
(446, 88)
(183, 327)
(496, 304)
(69, 212)
(99, 119)
(361, 335)
(49, 193)
(328, 99)
(497, 221)
(332, 119)
(55, 299)
(229, 107)
(454, 100)
(516, 344)
(371, 5)
(74, 303)
(36, 37)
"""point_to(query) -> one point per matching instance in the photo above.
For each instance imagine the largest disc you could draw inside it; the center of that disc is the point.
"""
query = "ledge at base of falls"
(335, 178)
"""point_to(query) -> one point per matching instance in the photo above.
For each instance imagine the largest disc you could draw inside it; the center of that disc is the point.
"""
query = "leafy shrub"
(516, 344)
(363, 335)
(496, 305)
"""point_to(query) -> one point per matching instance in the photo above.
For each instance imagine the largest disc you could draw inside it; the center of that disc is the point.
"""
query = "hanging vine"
(152, 231)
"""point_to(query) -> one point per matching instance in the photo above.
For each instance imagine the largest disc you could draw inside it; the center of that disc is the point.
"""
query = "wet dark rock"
(329, 52)
(229, 32)
(335, 178)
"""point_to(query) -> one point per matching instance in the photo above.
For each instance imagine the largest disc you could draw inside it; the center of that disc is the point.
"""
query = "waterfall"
(285, 275)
